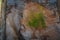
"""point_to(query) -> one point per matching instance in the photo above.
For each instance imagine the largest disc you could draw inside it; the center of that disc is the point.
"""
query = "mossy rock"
(37, 20)
(33, 16)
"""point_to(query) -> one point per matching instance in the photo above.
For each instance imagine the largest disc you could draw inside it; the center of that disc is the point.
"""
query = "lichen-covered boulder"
(36, 18)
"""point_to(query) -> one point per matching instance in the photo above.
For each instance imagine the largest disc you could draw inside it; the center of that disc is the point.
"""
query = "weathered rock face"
(14, 19)
(49, 20)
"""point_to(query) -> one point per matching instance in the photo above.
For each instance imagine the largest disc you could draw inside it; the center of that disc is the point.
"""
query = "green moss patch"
(37, 20)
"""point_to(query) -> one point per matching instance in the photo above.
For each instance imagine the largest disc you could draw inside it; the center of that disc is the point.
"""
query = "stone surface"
(51, 32)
